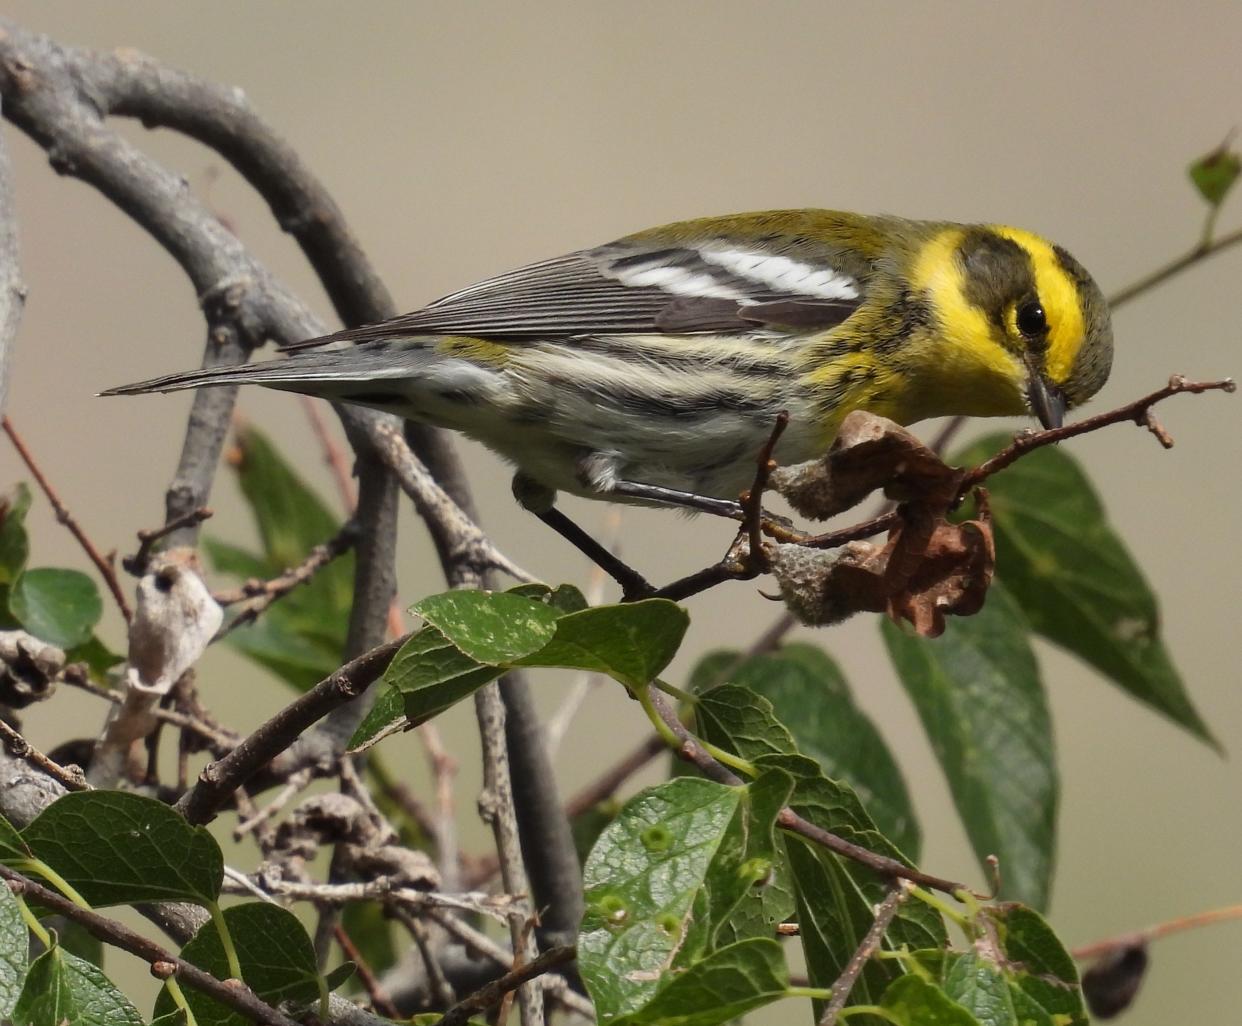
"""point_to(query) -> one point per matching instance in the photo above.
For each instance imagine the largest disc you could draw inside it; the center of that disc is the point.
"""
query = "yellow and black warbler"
(657, 364)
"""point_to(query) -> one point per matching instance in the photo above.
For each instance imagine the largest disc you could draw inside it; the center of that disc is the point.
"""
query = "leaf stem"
(876, 1010)
(32, 921)
(943, 907)
(226, 940)
(55, 879)
(814, 993)
(178, 997)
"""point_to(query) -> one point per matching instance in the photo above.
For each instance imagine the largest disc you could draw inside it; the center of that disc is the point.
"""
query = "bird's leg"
(674, 497)
(539, 500)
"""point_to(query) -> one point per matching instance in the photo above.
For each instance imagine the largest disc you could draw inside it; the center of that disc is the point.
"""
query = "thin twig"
(482, 945)
(149, 538)
(441, 990)
(485, 997)
(885, 912)
(376, 991)
(752, 500)
(71, 779)
(255, 597)
(63, 516)
(1135, 938)
(1137, 411)
(234, 994)
(1174, 267)
(221, 778)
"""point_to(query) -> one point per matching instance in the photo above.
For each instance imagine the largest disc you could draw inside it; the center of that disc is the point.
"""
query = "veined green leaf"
(1075, 580)
(978, 692)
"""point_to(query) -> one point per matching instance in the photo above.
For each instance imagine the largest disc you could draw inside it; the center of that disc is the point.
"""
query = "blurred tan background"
(461, 139)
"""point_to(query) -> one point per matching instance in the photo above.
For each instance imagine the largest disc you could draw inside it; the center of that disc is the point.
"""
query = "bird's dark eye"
(1031, 319)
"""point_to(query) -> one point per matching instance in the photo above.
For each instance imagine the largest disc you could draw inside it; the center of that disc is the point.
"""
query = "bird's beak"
(1047, 401)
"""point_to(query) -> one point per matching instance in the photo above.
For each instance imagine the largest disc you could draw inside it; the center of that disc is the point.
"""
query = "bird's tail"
(324, 372)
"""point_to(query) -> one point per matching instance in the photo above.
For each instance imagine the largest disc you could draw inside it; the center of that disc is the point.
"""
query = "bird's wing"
(636, 287)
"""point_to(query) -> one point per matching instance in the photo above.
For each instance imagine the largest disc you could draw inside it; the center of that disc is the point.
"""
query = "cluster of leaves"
(109, 848)
(685, 888)
(1063, 575)
(59, 606)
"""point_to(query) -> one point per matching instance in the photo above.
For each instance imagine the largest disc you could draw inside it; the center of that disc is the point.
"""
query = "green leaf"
(99, 659)
(980, 987)
(725, 985)
(300, 639)
(835, 899)
(644, 881)
(978, 692)
(339, 976)
(285, 649)
(58, 606)
(118, 848)
(290, 517)
(913, 1001)
(14, 543)
(14, 951)
(1214, 174)
(632, 643)
(432, 674)
(1077, 583)
(63, 990)
(277, 962)
(388, 708)
(809, 693)
(1041, 967)
(564, 598)
(494, 628)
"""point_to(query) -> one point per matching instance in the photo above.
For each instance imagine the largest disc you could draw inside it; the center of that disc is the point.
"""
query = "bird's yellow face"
(1025, 325)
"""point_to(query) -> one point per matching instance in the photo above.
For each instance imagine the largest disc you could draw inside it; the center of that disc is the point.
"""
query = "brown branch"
(485, 997)
(221, 778)
(63, 516)
(18, 746)
(1138, 411)
(149, 538)
(885, 912)
(1174, 267)
(234, 994)
(752, 500)
(1097, 949)
(257, 596)
(366, 975)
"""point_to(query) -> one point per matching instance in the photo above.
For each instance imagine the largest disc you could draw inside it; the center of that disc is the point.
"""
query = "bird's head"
(1022, 312)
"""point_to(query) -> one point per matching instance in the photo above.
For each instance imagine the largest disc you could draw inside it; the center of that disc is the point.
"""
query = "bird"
(652, 369)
